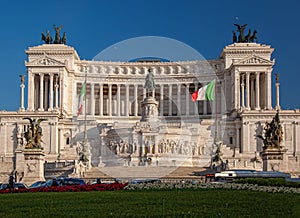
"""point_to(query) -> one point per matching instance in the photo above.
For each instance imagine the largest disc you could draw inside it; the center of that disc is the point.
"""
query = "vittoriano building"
(123, 125)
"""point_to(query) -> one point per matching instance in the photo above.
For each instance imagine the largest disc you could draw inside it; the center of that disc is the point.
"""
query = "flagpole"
(85, 108)
(216, 104)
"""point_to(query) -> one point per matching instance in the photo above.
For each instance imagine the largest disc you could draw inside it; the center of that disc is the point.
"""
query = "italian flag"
(81, 99)
(206, 92)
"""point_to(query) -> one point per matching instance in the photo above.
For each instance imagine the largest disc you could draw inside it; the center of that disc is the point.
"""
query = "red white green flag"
(206, 92)
(81, 99)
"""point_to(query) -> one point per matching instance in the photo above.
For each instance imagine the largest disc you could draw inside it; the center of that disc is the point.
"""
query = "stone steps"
(142, 172)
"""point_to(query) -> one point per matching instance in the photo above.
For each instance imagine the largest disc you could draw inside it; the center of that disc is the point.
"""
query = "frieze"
(285, 118)
(123, 68)
(45, 61)
(254, 60)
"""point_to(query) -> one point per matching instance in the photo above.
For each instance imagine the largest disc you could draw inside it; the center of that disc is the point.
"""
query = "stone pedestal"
(34, 160)
(273, 159)
(149, 109)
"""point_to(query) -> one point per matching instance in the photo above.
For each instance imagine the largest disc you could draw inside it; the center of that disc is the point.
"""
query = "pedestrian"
(11, 182)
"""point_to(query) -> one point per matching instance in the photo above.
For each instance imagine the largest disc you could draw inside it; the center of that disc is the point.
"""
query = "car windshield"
(36, 184)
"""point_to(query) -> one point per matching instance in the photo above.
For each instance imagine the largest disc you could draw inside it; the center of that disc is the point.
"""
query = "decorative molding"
(254, 60)
(45, 61)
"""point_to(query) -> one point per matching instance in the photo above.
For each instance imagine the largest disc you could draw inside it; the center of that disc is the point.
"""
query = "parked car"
(137, 181)
(17, 185)
(71, 181)
(65, 181)
(37, 184)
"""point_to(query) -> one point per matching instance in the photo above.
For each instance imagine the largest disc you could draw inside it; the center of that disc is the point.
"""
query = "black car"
(17, 185)
(62, 182)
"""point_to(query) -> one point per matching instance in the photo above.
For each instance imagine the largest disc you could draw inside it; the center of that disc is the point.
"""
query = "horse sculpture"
(253, 37)
(47, 38)
(58, 40)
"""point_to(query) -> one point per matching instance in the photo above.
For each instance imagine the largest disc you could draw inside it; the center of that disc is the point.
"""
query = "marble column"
(31, 95)
(127, 100)
(252, 96)
(170, 100)
(61, 91)
(204, 102)
(277, 96)
(118, 99)
(187, 99)
(237, 90)
(247, 91)
(101, 99)
(46, 93)
(41, 107)
(268, 90)
(277, 92)
(56, 86)
(109, 100)
(196, 103)
(22, 86)
(92, 99)
(161, 104)
(243, 93)
(51, 93)
(179, 99)
(257, 97)
(136, 108)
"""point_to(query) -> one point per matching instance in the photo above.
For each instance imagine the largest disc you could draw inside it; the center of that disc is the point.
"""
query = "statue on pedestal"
(33, 134)
(273, 133)
(149, 82)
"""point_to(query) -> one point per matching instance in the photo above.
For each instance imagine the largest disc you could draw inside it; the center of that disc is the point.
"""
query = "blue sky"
(92, 26)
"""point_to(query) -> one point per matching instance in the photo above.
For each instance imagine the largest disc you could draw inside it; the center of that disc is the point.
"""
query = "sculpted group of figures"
(32, 137)
(58, 39)
(166, 146)
(273, 133)
(250, 37)
(172, 147)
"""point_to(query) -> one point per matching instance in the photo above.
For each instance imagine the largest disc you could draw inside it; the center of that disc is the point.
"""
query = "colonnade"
(115, 99)
(254, 90)
(43, 92)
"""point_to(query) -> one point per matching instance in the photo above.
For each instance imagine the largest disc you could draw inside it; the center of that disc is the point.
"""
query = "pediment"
(254, 60)
(45, 61)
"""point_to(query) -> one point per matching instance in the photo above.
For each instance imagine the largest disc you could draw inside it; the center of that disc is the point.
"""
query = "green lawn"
(169, 203)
